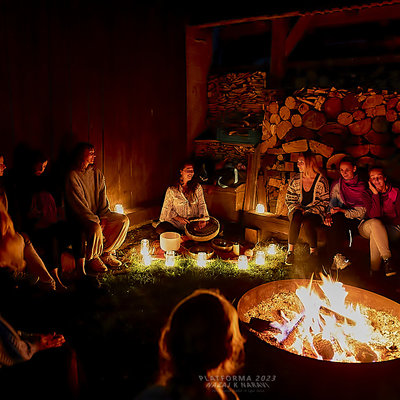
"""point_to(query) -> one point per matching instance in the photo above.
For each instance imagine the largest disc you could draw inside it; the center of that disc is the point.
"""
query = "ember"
(317, 321)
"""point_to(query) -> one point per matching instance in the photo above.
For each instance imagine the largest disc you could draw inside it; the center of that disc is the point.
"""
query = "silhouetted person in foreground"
(200, 342)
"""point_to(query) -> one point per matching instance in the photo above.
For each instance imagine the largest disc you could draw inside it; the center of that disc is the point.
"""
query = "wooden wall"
(110, 73)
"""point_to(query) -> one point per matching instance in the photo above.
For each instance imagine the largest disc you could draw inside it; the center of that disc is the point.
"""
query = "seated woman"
(18, 255)
(307, 199)
(200, 340)
(39, 213)
(345, 212)
(382, 225)
(88, 210)
(183, 200)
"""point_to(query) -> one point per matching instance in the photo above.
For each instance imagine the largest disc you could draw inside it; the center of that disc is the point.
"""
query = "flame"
(327, 327)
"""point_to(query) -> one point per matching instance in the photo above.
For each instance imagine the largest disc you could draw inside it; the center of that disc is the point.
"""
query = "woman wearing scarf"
(346, 210)
(383, 223)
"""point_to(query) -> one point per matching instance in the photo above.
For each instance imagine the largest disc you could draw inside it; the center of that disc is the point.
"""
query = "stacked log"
(332, 123)
(364, 124)
(236, 92)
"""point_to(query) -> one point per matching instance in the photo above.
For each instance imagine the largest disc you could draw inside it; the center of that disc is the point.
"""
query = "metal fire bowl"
(355, 295)
(292, 376)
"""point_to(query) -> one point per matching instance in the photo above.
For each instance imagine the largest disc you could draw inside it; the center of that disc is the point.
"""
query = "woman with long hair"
(346, 210)
(307, 199)
(183, 200)
(200, 341)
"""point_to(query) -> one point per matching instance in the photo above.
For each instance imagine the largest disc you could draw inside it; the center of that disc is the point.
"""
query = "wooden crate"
(224, 203)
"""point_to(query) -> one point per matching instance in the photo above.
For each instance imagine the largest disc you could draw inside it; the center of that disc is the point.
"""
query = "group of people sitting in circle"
(201, 337)
(41, 218)
(370, 207)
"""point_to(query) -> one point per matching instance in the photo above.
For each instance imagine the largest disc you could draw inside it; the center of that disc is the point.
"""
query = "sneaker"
(96, 265)
(289, 259)
(340, 262)
(389, 268)
(110, 260)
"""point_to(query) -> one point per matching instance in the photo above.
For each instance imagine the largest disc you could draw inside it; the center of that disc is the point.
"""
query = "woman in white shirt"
(183, 201)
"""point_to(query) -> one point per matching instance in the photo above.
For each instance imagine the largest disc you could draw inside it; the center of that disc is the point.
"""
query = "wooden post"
(253, 166)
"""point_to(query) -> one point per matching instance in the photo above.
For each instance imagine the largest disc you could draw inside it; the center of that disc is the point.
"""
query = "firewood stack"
(243, 92)
(331, 123)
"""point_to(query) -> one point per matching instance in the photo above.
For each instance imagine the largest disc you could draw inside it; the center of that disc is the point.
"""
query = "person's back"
(201, 339)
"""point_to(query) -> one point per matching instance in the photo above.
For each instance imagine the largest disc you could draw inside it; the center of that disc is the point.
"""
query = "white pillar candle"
(201, 259)
(260, 257)
(119, 209)
(243, 262)
(169, 258)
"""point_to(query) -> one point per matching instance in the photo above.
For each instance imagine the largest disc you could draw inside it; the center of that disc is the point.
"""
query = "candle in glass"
(119, 208)
(201, 259)
(169, 258)
(243, 262)
(144, 247)
(260, 208)
(260, 257)
(147, 259)
(271, 250)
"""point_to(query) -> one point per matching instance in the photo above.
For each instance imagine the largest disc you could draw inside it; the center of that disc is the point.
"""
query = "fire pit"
(294, 376)
(324, 320)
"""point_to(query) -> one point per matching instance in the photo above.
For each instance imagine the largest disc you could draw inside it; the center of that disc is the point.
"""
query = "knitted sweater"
(320, 196)
(86, 196)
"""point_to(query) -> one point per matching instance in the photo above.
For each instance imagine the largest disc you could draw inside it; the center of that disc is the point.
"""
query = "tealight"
(272, 249)
(201, 259)
(260, 257)
(260, 208)
(170, 258)
(243, 262)
(119, 208)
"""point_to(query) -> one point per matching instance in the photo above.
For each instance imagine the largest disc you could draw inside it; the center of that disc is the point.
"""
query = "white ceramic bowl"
(170, 241)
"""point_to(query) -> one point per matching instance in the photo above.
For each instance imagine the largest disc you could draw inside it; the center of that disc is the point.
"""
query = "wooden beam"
(297, 33)
(368, 13)
(253, 167)
(358, 16)
(280, 28)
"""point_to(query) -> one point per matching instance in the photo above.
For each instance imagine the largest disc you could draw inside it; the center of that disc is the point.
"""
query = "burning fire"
(325, 327)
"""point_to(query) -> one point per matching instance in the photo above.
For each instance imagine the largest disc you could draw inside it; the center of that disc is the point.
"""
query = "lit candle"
(119, 209)
(144, 247)
(260, 257)
(243, 262)
(169, 258)
(147, 259)
(271, 250)
(201, 259)
(260, 208)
